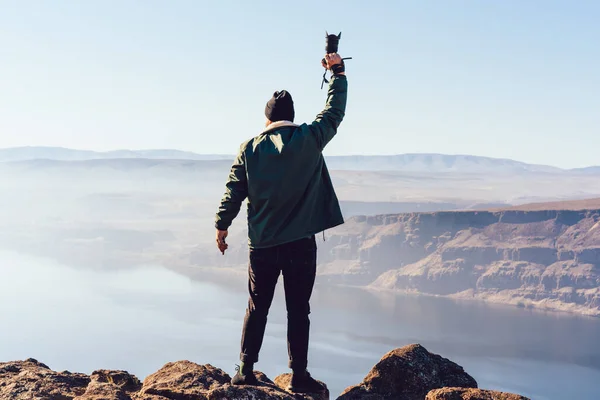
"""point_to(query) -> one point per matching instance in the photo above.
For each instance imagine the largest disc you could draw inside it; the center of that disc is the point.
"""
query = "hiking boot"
(304, 383)
(244, 379)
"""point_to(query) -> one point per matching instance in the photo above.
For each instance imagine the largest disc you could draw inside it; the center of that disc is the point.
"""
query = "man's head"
(280, 107)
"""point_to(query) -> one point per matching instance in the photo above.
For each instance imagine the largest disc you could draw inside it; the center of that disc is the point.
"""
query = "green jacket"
(283, 175)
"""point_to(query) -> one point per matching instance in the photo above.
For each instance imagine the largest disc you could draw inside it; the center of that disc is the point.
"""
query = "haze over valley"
(120, 212)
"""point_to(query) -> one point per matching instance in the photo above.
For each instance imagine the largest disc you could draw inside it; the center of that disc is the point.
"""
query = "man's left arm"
(235, 193)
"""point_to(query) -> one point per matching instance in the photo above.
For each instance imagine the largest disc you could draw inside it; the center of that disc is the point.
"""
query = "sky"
(508, 79)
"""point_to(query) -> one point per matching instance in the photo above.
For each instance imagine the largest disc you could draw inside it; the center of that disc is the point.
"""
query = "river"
(141, 318)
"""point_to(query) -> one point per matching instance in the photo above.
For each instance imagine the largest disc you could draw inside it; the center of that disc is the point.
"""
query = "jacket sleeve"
(236, 191)
(324, 127)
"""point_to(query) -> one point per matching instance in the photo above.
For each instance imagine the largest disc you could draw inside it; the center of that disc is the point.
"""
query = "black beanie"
(280, 107)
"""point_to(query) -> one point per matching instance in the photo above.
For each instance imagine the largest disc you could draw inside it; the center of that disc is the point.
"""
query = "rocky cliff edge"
(407, 373)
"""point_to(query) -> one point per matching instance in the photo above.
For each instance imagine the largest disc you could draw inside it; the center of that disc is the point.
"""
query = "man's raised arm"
(325, 125)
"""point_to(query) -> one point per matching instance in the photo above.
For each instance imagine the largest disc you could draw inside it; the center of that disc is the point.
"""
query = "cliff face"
(546, 259)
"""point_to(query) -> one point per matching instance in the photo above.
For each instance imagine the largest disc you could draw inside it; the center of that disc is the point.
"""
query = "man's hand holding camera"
(334, 63)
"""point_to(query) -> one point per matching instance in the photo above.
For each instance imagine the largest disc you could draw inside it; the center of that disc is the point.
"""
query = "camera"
(331, 46)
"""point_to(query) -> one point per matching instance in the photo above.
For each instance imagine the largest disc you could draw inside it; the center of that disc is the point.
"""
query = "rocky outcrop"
(182, 380)
(114, 385)
(408, 373)
(471, 394)
(25, 380)
(545, 259)
(187, 380)
(283, 381)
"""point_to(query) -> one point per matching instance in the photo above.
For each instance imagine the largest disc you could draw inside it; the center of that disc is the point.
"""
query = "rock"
(30, 379)
(103, 391)
(409, 373)
(283, 381)
(122, 379)
(263, 378)
(471, 394)
(267, 391)
(229, 392)
(139, 396)
(184, 380)
(111, 385)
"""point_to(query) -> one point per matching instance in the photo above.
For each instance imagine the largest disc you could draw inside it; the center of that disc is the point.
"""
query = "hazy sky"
(515, 79)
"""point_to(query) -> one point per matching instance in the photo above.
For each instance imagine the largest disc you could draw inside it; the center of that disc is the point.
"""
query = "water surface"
(141, 318)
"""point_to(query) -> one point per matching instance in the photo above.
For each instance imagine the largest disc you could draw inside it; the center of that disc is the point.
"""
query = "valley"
(529, 238)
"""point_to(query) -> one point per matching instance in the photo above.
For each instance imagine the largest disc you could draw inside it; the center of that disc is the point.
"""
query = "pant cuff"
(297, 365)
(247, 359)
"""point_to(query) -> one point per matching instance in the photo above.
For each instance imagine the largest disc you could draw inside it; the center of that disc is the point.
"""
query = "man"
(290, 196)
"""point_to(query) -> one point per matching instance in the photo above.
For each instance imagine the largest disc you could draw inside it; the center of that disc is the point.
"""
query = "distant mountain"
(587, 170)
(64, 154)
(433, 163)
(429, 163)
(116, 164)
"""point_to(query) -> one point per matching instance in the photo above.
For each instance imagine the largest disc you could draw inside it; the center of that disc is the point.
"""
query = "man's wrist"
(221, 226)
(338, 68)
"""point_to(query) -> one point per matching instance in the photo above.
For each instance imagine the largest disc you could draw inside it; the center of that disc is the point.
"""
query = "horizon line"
(332, 155)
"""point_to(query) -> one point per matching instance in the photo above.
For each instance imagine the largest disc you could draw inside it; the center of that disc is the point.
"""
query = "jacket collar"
(278, 124)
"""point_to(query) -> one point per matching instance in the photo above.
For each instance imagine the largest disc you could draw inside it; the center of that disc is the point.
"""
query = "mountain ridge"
(406, 161)
(25, 153)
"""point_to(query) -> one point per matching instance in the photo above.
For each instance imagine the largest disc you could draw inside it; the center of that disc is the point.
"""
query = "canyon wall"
(543, 259)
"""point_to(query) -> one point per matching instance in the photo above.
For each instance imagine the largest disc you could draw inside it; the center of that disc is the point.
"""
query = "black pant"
(298, 263)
